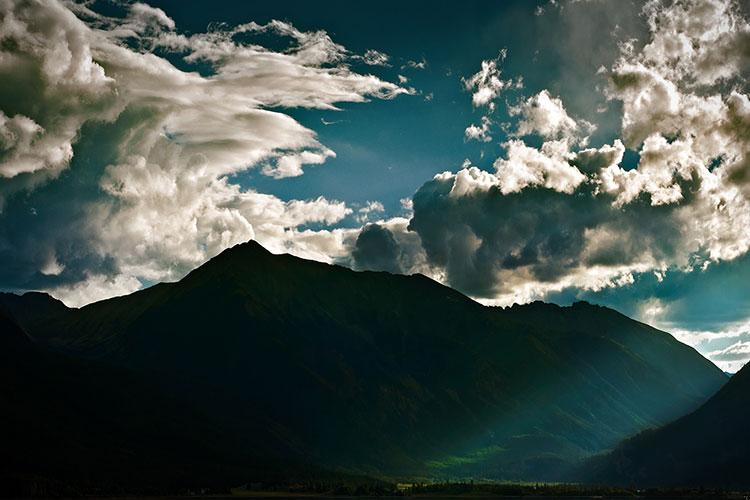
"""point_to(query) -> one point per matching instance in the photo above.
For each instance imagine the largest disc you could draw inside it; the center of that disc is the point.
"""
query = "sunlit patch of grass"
(477, 456)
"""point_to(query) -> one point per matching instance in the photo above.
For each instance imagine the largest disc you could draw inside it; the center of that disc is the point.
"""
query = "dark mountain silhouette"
(367, 372)
(72, 426)
(709, 447)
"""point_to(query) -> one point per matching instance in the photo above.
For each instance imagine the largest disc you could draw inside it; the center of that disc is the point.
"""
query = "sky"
(559, 150)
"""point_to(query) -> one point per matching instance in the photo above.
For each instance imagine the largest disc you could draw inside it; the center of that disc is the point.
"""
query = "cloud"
(736, 352)
(548, 166)
(421, 64)
(376, 250)
(375, 58)
(699, 43)
(27, 148)
(94, 287)
(370, 209)
(51, 85)
(130, 141)
(479, 132)
(545, 115)
(173, 136)
(387, 245)
(522, 244)
(486, 84)
(557, 217)
(291, 165)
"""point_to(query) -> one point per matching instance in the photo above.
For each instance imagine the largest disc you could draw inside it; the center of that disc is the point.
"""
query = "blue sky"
(553, 150)
(411, 138)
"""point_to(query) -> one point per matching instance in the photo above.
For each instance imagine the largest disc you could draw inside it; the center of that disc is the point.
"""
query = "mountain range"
(263, 367)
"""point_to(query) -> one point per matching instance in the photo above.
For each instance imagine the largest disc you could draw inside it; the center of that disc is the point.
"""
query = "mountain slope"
(710, 447)
(386, 374)
(71, 426)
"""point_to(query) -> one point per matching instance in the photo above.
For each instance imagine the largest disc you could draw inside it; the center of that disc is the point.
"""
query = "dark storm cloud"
(540, 233)
(376, 249)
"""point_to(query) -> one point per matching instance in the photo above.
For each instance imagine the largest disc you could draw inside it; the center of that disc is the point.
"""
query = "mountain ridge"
(386, 374)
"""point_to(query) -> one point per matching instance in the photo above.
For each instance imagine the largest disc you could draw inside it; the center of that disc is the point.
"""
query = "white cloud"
(73, 89)
(170, 202)
(486, 84)
(558, 217)
(700, 42)
(593, 160)
(26, 147)
(479, 132)
(726, 347)
(548, 166)
(735, 352)
(52, 267)
(522, 167)
(291, 165)
(421, 64)
(369, 210)
(375, 58)
(547, 219)
(95, 288)
(545, 115)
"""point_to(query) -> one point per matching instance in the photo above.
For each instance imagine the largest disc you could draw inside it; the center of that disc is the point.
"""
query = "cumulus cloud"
(548, 166)
(51, 85)
(177, 137)
(94, 287)
(154, 149)
(545, 115)
(26, 147)
(519, 245)
(388, 245)
(558, 217)
(376, 250)
(699, 43)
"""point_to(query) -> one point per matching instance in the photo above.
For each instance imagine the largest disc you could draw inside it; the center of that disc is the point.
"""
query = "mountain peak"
(583, 303)
(249, 246)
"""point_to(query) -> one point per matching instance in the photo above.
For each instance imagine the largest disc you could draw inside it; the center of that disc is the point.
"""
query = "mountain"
(72, 426)
(379, 374)
(13, 340)
(709, 447)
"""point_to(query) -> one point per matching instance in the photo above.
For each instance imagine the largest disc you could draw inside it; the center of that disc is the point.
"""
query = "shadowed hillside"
(373, 373)
(710, 447)
(71, 426)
